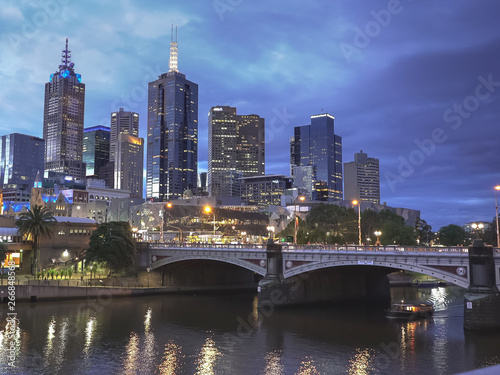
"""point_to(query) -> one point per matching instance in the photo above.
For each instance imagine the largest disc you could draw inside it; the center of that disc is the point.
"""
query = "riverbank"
(35, 293)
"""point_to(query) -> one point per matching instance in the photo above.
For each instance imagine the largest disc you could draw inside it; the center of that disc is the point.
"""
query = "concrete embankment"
(33, 293)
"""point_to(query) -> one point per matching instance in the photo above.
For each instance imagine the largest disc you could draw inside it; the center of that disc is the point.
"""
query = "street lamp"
(270, 229)
(2, 270)
(208, 210)
(148, 269)
(161, 213)
(378, 234)
(295, 218)
(355, 202)
(496, 214)
(243, 234)
(477, 227)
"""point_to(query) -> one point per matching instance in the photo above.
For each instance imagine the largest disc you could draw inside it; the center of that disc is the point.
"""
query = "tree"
(112, 244)
(424, 232)
(452, 235)
(489, 235)
(3, 251)
(36, 223)
(395, 231)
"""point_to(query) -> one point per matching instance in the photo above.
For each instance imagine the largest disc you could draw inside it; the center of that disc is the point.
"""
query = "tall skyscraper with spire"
(172, 149)
(63, 120)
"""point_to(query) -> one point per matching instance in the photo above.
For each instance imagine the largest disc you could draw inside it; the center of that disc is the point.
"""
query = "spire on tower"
(66, 58)
(173, 62)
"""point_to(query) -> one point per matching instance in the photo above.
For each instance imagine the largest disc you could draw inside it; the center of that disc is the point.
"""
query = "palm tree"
(37, 222)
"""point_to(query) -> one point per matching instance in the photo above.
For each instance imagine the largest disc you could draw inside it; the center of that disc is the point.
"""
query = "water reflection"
(51, 333)
(172, 359)
(307, 368)
(273, 363)
(362, 362)
(168, 335)
(147, 320)
(89, 333)
(207, 358)
(132, 350)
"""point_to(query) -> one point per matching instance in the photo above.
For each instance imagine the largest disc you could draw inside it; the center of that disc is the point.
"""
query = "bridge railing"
(317, 248)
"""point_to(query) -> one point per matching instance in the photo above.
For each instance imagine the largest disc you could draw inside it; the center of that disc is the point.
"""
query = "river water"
(227, 334)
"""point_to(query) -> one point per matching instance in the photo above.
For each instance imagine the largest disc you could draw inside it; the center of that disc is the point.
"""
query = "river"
(226, 334)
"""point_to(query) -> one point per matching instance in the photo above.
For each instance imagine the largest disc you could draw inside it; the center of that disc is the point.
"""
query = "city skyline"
(422, 101)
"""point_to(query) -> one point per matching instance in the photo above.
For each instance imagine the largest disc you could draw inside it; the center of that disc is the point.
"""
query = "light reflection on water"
(185, 335)
(362, 362)
(273, 363)
(207, 358)
(171, 360)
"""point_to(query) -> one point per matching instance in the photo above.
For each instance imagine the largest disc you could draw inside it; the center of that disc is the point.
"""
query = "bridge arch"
(237, 262)
(426, 270)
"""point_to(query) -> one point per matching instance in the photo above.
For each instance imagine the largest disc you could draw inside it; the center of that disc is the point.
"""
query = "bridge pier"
(325, 285)
(272, 287)
(482, 299)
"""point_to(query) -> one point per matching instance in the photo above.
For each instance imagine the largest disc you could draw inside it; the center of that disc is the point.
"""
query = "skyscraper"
(317, 145)
(122, 122)
(63, 120)
(21, 158)
(172, 150)
(129, 161)
(95, 149)
(236, 148)
(362, 179)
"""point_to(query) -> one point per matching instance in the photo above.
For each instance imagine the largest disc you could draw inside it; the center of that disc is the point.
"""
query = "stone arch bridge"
(450, 264)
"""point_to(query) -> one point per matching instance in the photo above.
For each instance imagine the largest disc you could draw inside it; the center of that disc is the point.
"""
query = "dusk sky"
(414, 85)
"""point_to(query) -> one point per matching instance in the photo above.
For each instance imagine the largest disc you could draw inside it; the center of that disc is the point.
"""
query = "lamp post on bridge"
(208, 210)
(357, 203)
(477, 227)
(496, 214)
(378, 234)
(295, 218)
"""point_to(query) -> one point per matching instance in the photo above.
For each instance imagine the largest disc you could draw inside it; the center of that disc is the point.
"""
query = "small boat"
(411, 310)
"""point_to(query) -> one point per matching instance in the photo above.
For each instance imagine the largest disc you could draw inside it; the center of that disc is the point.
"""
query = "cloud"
(11, 13)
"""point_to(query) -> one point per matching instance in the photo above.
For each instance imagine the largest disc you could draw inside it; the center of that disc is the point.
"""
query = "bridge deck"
(322, 248)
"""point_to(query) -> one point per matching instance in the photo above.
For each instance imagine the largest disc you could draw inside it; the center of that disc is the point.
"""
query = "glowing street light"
(208, 210)
(355, 202)
(378, 234)
(295, 218)
(496, 214)
(477, 227)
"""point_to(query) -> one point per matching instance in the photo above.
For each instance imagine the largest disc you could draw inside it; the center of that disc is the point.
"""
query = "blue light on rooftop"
(79, 77)
(64, 74)
(51, 76)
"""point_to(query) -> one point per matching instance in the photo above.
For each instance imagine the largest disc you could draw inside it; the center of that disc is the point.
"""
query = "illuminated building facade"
(122, 122)
(236, 148)
(21, 157)
(63, 120)
(172, 140)
(362, 179)
(317, 145)
(129, 156)
(95, 149)
(264, 190)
